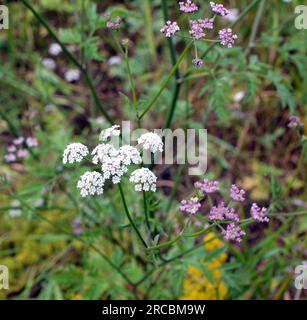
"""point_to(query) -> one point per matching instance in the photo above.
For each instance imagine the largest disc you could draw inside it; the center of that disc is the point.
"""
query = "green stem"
(146, 212)
(11, 125)
(162, 264)
(172, 51)
(255, 27)
(174, 190)
(133, 88)
(130, 218)
(191, 38)
(167, 80)
(88, 79)
(149, 29)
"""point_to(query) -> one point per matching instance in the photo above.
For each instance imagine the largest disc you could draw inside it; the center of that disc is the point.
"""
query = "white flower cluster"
(107, 133)
(151, 141)
(114, 162)
(74, 152)
(102, 152)
(130, 155)
(144, 179)
(91, 183)
(112, 167)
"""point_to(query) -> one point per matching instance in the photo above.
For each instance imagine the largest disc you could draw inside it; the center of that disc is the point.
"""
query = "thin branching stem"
(130, 218)
(167, 80)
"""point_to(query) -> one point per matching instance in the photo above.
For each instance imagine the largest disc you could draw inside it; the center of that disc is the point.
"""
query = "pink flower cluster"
(170, 28)
(198, 62)
(294, 122)
(227, 37)
(237, 194)
(219, 9)
(77, 226)
(222, 212)
(233, 232)
(113, 25)
(198, 26)
(258, 213)
(188, 6)
(190, 206)
(208, 186)
(17, 151)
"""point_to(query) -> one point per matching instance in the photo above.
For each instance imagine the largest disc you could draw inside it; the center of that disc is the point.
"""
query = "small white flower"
(15, 210)
(91, 183)
(22, 153)
(31, 142)
(74, 152)
(238, 96)
(233, 15)
(55, 49)
(113, 167)
(49, 63)
(19, 140)
(10, 157)
(130, 155)
(151, 141)
(111, 160)
(103, 152)
(72, 75)
(107, 133)
(144, 180)
(11, 148)
(114, 60)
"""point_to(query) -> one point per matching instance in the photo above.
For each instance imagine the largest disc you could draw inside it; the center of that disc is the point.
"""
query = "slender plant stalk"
(172, 51)
(133, 89)
(162, 264)
(11, 125)
(88, 79)
(146, 212)
(149, 29)
(167, 80)
(130, 218)
(174, 190)
(256, 25)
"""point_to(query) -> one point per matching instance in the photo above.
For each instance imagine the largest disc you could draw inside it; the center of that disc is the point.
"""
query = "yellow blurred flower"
(196, 286)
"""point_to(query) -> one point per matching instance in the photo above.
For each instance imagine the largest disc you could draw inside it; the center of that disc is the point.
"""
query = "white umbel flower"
(144, 179)
(130, 155)
(107, 133)
(49, 63)
(15, 211)
(55, 49)
(113, 167)
(91, 183)
(74, 152)
(102, 152)
(72, 75)
(151, 141)
(111, 159)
